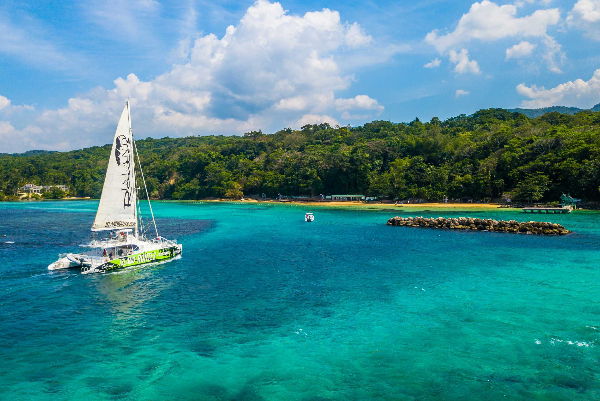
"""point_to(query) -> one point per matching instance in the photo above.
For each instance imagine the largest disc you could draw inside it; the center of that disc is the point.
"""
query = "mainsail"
(117, 208)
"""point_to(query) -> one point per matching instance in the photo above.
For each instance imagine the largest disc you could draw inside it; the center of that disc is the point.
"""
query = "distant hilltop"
(30, 153)
(534, 113)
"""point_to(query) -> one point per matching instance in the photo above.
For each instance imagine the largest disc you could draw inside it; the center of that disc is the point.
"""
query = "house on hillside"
(39, 189)
(31, 189)
(61, 187)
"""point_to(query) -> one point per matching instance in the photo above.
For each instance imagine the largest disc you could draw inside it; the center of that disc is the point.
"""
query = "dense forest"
(490, 154)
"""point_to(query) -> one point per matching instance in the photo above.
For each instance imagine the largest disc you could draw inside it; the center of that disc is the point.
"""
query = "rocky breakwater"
(467, 223)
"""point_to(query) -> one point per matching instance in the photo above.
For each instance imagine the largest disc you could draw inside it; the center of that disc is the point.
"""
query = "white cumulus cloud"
(585, 15)
(578, 93)
(360, 102)
(463, 64)
(364, 103)
(433, 63)
(520, 50)
(271, 68)
(487, 21)
(7, 108)
(461, 92)
(315, 119)
(4, 102)
(5, 128)
(292, 103)
(356, 36)
(6, 133)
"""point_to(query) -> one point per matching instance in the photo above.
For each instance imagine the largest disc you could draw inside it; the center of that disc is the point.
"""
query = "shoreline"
(409, 207)
(357, 204)
(373, 206)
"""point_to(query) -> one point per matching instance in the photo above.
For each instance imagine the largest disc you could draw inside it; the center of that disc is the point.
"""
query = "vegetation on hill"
(534, 113)
(491, 153)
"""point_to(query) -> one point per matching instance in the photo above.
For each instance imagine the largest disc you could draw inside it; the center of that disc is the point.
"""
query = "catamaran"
(119, 216)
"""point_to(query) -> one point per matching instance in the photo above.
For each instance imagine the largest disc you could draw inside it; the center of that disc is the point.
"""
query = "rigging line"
(143, 227)
(145, 188)
(141, 221)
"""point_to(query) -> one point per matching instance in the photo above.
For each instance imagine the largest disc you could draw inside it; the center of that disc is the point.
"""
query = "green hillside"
(490, 153)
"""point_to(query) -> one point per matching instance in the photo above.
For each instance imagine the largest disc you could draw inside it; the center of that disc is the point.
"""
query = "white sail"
(117, 208)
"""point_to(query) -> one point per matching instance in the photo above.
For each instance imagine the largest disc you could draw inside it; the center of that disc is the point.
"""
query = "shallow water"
(264, 306)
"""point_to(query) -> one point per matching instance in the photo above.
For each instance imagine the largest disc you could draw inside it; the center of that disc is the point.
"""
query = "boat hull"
(68, 261)
(136, 259)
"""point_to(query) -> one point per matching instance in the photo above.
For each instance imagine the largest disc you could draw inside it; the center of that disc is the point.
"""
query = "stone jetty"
(467, 223)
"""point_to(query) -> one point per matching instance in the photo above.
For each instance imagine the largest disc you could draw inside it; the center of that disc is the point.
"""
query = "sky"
(197, 67)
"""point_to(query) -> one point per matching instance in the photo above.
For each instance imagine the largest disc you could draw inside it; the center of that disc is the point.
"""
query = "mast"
(135, 209)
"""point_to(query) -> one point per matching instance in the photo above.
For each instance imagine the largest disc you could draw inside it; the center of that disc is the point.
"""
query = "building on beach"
(347, 197)
(568, 201)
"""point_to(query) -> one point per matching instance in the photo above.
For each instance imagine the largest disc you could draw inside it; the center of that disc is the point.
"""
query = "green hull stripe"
(141, 258)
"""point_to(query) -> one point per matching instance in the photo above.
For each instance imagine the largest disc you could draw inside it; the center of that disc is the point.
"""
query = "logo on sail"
(124, 156)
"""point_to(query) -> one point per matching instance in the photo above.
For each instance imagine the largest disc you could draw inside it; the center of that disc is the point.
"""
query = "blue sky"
(199, 67)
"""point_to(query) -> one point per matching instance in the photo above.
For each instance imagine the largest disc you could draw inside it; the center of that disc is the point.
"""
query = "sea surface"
(262, 305)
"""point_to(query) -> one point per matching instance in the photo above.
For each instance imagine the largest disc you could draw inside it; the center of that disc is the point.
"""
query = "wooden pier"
(547, 210)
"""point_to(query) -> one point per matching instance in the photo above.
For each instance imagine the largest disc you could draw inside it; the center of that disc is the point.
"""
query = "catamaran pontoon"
(119, 214)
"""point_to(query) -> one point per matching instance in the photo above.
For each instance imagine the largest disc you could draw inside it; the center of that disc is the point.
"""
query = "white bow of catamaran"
(118, 217)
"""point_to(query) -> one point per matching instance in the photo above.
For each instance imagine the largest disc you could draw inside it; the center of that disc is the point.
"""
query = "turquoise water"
(265, 306)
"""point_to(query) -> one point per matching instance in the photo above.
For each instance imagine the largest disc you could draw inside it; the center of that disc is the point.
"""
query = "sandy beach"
(376, 206)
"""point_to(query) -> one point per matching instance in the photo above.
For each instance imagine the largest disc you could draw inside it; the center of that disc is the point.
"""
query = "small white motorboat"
(309, 217)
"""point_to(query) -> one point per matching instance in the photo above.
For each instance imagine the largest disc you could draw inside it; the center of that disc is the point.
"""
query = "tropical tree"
(532, 188)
